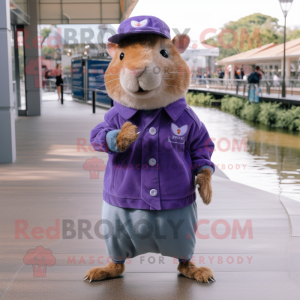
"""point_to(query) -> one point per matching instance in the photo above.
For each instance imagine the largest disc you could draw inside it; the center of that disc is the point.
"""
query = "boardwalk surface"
(250, 238)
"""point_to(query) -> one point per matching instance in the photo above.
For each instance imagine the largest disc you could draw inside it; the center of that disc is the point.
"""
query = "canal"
(255, 155)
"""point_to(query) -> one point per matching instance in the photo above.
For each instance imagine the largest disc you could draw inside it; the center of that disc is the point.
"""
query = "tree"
(45, 32)
(248, 33)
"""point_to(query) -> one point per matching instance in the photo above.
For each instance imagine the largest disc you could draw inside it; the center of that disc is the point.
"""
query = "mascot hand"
(203, 180)
(127, 136)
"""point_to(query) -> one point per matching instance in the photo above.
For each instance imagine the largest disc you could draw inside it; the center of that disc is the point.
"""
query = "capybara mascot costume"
(159, 151)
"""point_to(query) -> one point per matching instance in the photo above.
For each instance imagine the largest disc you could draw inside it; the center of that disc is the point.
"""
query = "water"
(269, 161)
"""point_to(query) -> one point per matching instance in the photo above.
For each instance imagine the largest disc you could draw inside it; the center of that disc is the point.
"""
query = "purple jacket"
(157, 171)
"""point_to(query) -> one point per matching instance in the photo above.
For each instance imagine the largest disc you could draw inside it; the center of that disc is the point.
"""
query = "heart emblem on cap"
(138, 24)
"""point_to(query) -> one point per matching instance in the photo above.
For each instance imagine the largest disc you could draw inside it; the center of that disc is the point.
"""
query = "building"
(201, 61)
(21, 61)
(269, 58)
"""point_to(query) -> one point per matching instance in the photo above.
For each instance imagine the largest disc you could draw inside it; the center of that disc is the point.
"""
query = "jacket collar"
(174, 110)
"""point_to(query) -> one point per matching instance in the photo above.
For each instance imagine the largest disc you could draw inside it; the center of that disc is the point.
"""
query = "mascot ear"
(111, 49)
(181, 42)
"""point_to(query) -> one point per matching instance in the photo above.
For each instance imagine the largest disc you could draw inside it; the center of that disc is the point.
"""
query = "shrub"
(250, 111)
(269, 112)
(199, 99)
(289, 119)
(233, 105)
(266, 113)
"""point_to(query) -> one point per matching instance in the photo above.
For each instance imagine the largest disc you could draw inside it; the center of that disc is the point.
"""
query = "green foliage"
(233, 105)
(289, 119)
(199, 99)
(250, 112)
(45, 32)
(270, 114)
(267, 28)
(47, 51)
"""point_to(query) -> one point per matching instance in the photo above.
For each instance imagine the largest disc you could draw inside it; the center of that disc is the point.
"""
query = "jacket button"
(152, 131)
(153, 192)
(152, 162)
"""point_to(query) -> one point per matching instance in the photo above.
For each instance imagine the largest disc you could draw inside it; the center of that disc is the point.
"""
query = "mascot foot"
(111, 270)
(202, 274)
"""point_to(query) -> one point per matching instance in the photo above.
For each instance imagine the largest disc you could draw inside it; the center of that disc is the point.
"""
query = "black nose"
(140, 89)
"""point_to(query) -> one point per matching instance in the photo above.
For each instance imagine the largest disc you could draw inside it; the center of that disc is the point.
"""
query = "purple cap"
(141, 25)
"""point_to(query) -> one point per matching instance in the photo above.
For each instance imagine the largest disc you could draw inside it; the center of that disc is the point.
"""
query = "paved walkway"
(48, 183)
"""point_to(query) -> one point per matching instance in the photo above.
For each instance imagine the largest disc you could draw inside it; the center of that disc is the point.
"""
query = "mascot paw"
(111, 270)
(190, 270)
(203, 180)
(126, 136)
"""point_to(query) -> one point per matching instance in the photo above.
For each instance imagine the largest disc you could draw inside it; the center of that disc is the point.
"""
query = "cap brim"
(120, 36)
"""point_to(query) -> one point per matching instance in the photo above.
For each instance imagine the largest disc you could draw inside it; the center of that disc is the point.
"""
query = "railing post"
(62, 93)
(94, 101)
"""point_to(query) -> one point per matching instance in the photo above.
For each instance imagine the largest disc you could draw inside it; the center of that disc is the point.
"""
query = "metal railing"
(94, 95)
(49, 85)
(241, 87)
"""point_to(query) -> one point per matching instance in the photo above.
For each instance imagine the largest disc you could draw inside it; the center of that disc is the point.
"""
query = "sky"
(202, 14)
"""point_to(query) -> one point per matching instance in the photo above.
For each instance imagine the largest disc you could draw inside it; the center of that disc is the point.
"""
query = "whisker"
(100, 91)
(107, 82)
(172, 85)
(107, 75)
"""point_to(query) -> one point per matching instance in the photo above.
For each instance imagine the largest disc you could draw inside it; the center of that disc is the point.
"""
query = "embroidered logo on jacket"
(179, 133)
(138, 24)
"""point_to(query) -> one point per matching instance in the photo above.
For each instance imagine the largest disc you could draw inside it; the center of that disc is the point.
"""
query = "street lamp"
(285, 6)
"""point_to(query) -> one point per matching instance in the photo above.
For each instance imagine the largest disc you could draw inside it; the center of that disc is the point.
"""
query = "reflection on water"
(269, 161)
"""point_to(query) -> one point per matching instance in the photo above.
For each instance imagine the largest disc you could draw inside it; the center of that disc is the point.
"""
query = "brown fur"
(190, 270)
(126, 136)
(203, 179)
(111, 270)
(140, 51)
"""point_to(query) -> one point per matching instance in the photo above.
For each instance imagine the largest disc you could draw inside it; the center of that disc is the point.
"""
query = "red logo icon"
(39, 258)
(94, 165)
(178, 131)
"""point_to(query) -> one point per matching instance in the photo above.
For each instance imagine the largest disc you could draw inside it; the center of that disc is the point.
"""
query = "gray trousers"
(132, 232)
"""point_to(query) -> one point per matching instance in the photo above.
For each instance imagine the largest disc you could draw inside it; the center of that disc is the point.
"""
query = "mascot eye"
(164, 53)
(122, 55)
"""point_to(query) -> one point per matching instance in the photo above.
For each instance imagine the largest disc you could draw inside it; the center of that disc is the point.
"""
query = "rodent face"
(144, 76)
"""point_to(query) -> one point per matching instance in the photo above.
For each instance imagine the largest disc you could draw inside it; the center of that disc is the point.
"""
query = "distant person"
(208, 75)
(57, 73)
(253, 81)
(255, 76)
(276, 79)
(242, 73)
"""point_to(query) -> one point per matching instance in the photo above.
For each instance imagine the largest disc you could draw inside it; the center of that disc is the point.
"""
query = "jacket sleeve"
(201, 147)
(98, 134)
